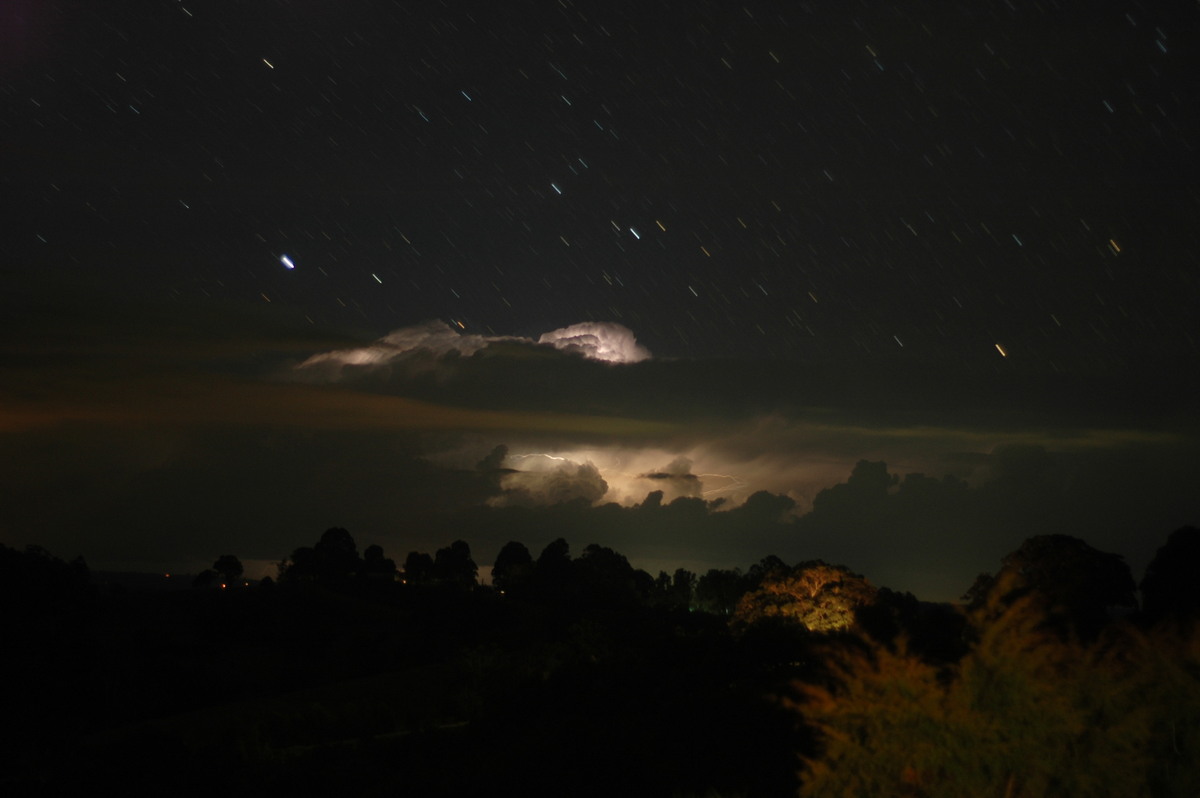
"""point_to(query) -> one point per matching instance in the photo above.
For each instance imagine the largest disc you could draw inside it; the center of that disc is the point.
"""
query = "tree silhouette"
(770, 565)
(606, 576)
(300, 567)
(207, 579)
(418, 568)
(376, 567)
(553, 570)
(35, 573)
(229, 567)
(1076, 586)
(453, 565)
(337, 556)
(1171, 584)
(675, 592)
(557, 554)
(513, 567)
(332, 562)
(718, 590)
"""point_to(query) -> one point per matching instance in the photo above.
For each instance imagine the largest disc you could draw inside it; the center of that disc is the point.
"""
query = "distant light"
(287, 262)
(1000, 349)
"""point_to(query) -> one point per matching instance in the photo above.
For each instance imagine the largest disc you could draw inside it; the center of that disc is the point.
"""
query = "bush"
(1024, 714)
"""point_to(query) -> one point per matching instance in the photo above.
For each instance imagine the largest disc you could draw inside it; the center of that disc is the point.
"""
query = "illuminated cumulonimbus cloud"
(597, 475)
(548, 480)
(605, 341)
(630, 474)
(598, 340)
(673, 480)
(435, 337)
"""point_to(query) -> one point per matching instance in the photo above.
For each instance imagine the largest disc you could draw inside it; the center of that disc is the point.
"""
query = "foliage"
(602, 574)
(229, 568)
(513, 567)
(674, 592)
(453, 565)
(376, 566)
(332, 562)
(553, 573)
(1076, 586)
(418, 567)
(37, 572)
(719, 590)
(820, 597)
(594, 661)
(1170, 585)
(1024, 714)
(207, 579)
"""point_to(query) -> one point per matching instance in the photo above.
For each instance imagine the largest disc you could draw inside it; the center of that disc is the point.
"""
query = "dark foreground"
(426, 692)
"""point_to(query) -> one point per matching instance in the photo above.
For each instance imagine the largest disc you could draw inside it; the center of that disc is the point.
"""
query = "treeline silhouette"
(583, 675)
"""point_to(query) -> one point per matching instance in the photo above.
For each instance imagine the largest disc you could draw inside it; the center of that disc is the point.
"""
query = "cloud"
(607, 342)
(672, 481)
(550, 484)
(931, 533)
(597, 340)
(433, 337)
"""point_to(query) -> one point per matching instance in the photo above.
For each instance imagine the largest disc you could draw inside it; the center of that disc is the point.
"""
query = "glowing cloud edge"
(607, 342)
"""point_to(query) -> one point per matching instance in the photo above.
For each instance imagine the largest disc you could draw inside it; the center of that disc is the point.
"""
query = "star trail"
(725, 180)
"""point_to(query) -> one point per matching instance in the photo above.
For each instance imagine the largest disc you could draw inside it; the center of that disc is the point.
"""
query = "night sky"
(271, 267)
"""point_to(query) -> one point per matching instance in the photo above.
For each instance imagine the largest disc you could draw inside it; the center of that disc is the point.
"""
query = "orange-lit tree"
(820, 597)
(1026, 713)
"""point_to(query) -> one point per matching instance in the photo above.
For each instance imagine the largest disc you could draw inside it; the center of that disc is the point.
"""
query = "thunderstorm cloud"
(551, 484)
(596, 340)
(607, 342)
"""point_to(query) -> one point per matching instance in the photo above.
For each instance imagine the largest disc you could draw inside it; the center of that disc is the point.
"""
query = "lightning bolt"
(735, 483)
